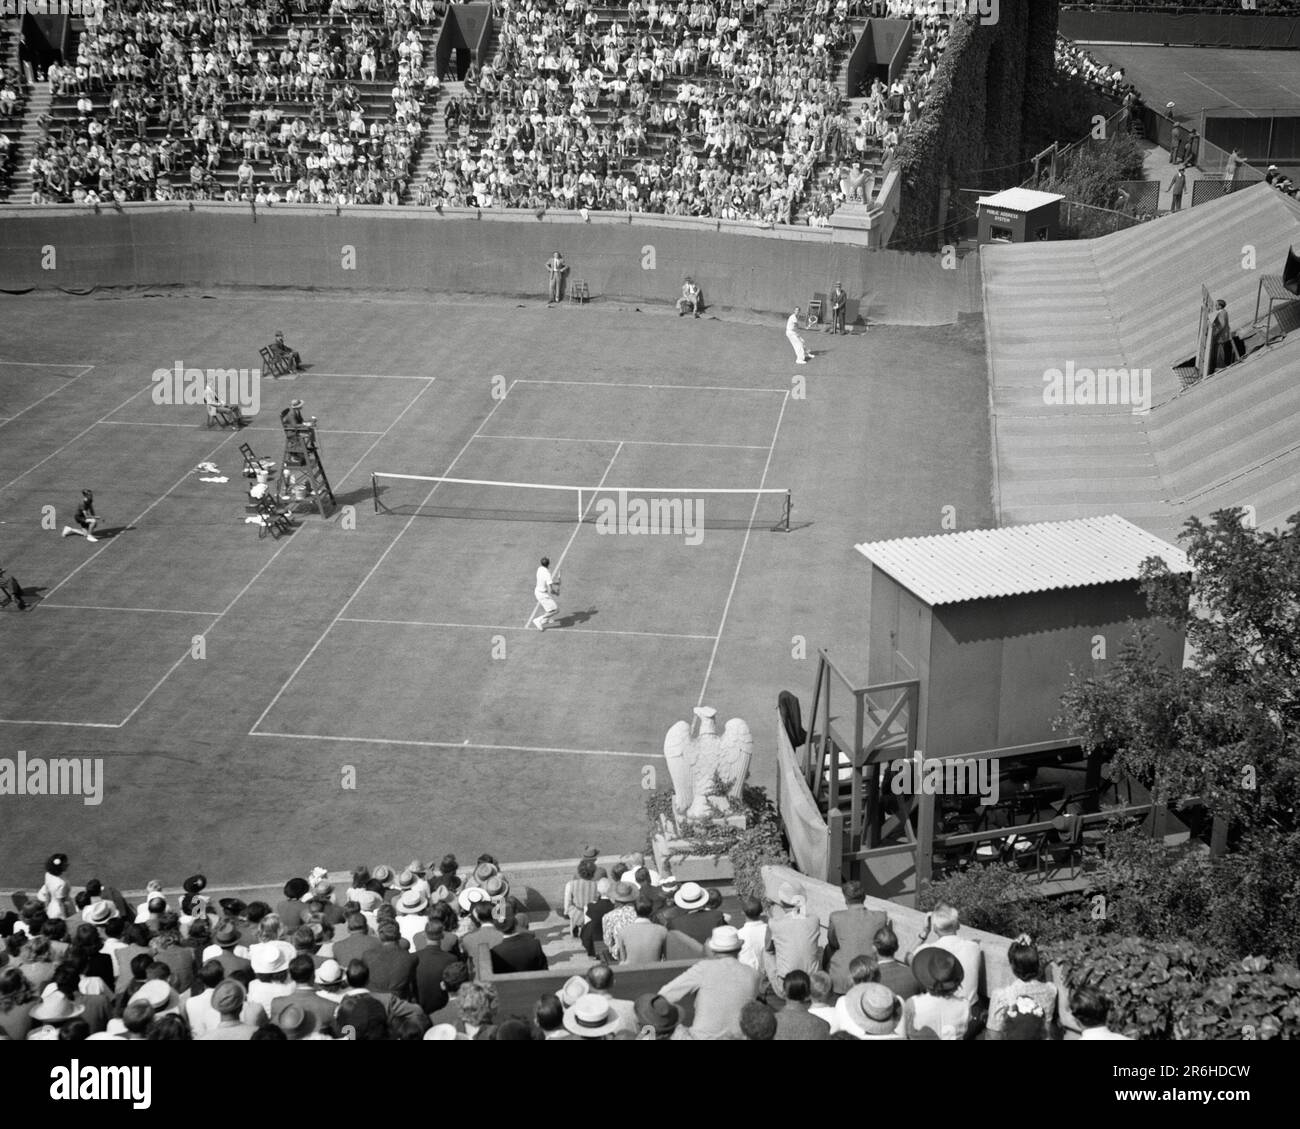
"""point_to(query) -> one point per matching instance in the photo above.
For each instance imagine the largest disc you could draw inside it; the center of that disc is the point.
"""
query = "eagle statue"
(696, 752)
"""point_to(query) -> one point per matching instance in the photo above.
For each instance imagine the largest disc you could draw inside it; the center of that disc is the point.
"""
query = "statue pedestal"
(672, 854)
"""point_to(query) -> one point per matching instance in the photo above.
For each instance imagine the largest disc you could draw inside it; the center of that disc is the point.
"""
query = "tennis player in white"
(801, 354)
(545, 591)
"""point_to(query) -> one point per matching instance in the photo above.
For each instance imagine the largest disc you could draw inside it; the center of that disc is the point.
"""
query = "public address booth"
(1019, 215)
(946, 754)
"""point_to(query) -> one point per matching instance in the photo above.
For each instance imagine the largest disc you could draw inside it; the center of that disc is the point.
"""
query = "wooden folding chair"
(274, 519)
(276, 366)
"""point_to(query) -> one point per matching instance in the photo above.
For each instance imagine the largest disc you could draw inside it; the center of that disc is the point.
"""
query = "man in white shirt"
(801, 353)
(945, 922)
(545, 591)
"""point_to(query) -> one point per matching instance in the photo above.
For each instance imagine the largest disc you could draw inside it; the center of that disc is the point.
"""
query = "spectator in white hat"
(722, 986)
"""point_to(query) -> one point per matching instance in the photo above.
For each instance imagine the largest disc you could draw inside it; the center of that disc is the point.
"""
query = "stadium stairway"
(14, 127)
(25, 139)
(434, 138)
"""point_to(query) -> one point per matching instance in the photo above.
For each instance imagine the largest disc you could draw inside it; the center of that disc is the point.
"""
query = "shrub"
(1179, 990)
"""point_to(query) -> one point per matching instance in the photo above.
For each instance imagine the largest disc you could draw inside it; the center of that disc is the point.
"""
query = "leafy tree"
(1224, 729)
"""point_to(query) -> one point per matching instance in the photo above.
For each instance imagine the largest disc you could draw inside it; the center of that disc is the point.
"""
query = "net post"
(785, 519)
(374, 489)
(581, 514)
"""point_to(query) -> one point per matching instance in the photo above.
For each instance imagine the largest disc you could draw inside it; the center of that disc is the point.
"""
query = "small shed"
(1019, 215)
(991, 622)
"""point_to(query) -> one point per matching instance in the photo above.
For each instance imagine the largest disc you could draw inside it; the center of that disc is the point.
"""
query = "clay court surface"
(233, 686)
(1199, 78)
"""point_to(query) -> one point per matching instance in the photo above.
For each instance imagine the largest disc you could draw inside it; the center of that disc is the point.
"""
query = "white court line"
(366, 375)
(45, 364)
(744, 545)
(138, 517)
(630, 442)
(199, 427)
(498, 627)
(578, 526)
(79, 435)
(461, 745)
(70, 724)
(60, 388)
(671, 387)
(96, 608)
(271, 559)
(375, 568)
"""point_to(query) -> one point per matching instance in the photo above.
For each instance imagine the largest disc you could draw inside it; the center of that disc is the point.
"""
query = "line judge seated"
(283, 353)
(692, 299)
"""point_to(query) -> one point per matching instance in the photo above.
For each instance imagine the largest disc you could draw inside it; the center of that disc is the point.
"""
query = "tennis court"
(370, 684)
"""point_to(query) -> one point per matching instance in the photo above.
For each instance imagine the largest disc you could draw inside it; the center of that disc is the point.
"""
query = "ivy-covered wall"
(990, 88)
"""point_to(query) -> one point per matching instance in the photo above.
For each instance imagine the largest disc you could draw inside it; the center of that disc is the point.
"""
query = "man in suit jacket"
(794, 1021)
(518, 950)
(430, 965)
(302, 971)
(593, 928)
(392, 968)
(357, 943)
(696, 920)
(944, 924)
(851, 933)
(642, 941)
(478, 944)
(894, 974)
(721, 984)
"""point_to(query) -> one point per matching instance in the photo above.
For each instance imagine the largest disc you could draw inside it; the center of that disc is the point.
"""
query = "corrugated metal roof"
(1016, 559)
(1020, 199)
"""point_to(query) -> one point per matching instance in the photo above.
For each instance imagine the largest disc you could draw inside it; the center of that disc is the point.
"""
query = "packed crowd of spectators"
(11, 99)
(710, 109)
(184, 70)
(410, 955)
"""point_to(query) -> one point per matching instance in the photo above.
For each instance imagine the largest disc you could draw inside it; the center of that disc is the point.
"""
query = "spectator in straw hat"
(591, 1017)
(96, 1007)
(792, 937)
(51, 1013)
(869, 1011)
(722, 986)
(696, 920)
(412, 913)
(271, 971)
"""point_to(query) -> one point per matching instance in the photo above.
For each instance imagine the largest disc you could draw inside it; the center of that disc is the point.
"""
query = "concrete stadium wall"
(501, 253)
(1182, 29)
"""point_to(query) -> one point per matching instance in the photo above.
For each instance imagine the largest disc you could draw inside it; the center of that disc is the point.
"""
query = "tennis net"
(621, 509)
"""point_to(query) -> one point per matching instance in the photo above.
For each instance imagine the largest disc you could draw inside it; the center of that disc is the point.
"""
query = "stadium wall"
(989, 90)
(1182, 29)
(503, 253)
